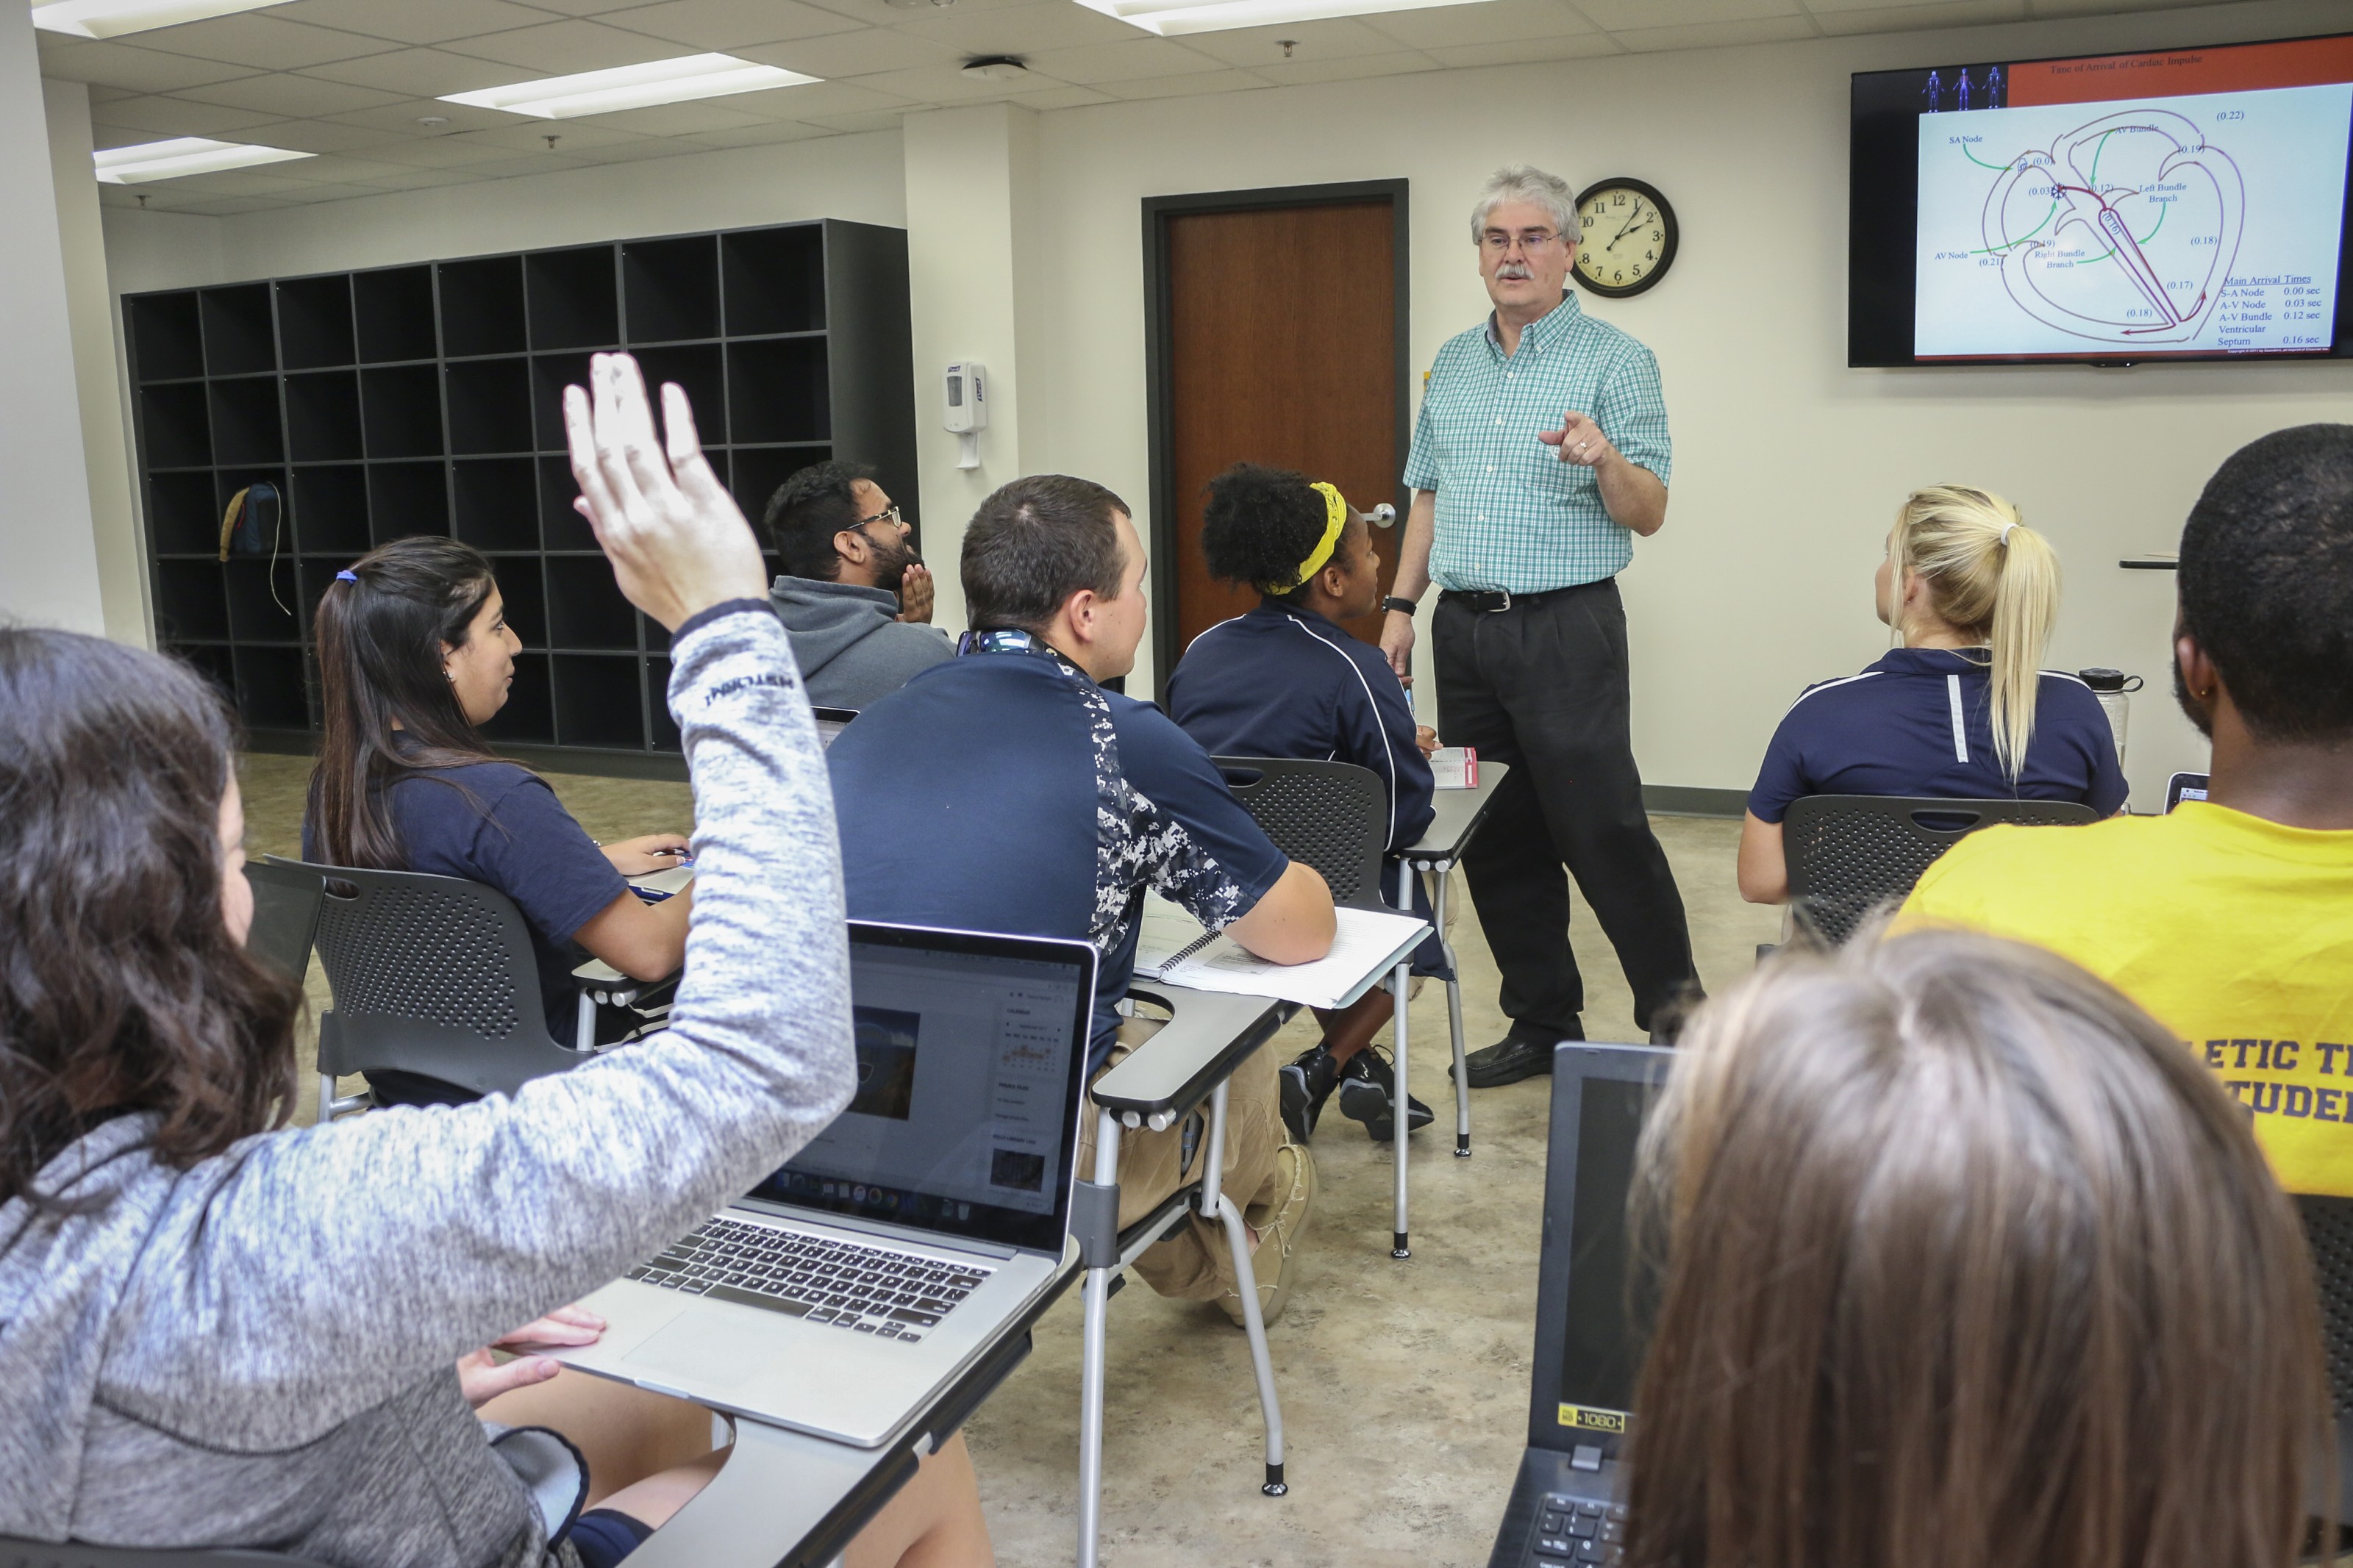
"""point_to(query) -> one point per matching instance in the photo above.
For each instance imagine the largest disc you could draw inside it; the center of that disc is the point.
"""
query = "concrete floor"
(1404, 1383)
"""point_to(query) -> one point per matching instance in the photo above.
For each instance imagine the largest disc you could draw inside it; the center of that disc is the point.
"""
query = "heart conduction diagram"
(2122, 230)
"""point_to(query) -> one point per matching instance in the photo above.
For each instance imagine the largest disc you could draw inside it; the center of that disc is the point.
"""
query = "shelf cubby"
(490, 405)
(428, 399)
(181, 515)
(401, 411)
(322, 416)
(238, 337)
(393, 311)
(599, 701)
(584, 605)
(314, 323)
(497, 503)
(407, 499)
(776, 390)
(570, 299)
(481, 307)
(331, 511)
(774, 280)
(670, 288)
(168, 340)
(226, 482)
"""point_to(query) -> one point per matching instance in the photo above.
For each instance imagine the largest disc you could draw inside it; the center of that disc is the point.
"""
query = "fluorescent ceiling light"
(1175, 18)
(112, 18)
(632, 87)
(182, 155)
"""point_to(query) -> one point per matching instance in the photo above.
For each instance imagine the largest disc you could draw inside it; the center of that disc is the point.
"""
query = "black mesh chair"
(19, 1554)
(285, 916)
(432, 975)
(1334, 816)
(1849, 854)
(2328, 1228)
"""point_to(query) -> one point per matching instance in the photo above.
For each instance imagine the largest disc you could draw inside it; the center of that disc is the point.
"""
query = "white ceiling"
(349, 79)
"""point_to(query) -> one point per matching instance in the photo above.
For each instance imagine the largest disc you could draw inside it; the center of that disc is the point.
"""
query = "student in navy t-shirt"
(414, 654)
(1007, 791)
(1286, 680)
(1960, 708)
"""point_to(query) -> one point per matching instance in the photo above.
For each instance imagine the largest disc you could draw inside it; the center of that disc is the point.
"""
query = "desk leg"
(1400, 981)
(1215, 1200)
(1443, 881)
(1096, 1294)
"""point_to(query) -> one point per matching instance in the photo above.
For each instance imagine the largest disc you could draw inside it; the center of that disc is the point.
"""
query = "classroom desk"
(786, 1500)
(1458, 814)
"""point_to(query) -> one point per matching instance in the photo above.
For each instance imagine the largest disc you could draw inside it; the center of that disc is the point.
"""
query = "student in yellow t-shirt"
(2231, 919)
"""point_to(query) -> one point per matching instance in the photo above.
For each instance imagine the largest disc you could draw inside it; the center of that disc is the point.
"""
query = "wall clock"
(1626, 237)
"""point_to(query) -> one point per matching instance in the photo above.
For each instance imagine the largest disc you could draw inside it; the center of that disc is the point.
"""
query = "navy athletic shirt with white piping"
(1918, 722)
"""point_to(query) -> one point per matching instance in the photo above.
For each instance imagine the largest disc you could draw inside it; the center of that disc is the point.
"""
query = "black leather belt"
(1488, 601)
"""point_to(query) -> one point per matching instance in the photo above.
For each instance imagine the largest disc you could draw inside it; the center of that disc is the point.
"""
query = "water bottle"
(2111, 687)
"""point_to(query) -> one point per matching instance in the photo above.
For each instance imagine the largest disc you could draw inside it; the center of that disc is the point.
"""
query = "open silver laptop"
(899, 1244)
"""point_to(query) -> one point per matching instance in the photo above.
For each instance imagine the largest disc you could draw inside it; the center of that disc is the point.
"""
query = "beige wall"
(1788, 465)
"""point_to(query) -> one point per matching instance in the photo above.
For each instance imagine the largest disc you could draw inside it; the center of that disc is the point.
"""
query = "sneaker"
(1364, 1096)
(1306, 1083)
(1508, 1060)
(1278, 1236)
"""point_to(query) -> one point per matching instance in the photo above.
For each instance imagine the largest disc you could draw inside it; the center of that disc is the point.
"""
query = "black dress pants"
(1543, 685)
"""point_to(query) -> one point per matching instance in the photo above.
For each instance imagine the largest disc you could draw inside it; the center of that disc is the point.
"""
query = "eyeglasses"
(1497, 241)
(888, 514)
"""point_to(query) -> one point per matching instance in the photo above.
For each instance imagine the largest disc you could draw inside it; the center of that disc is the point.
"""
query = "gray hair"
(1526, 183)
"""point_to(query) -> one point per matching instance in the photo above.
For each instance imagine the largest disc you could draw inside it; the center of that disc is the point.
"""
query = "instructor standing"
(1540, 452)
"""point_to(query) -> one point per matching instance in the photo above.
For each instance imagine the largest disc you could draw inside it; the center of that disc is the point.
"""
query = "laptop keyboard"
(1578, 1532)
(866, 1289)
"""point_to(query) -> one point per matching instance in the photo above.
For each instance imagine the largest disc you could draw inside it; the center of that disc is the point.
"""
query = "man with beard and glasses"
(2231, 918)
(1540, 453)
(856, 600)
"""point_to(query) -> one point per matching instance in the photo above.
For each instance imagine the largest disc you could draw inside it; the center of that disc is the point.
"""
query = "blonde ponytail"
(1991, 577)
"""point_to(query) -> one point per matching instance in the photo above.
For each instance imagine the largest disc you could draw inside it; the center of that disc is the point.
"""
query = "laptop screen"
(831, 722)
(970, 1057)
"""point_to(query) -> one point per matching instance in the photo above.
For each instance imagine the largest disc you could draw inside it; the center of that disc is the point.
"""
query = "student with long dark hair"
(415, 655)
(219, 1331)
(1966, 1263)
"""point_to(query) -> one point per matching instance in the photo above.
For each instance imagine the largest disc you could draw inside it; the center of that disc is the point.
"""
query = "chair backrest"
(285, 916)
(432, 975)
(1848, 854)
(1333, 816)
(2328, 1228)
(19, 1554)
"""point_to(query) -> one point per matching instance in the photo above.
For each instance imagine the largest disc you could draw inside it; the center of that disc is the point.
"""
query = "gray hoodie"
(849, 643)
(259, 1350)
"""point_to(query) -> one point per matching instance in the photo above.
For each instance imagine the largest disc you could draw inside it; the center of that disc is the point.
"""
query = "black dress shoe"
(1306, 1083)
(1364, 1096)
(1508, 1060)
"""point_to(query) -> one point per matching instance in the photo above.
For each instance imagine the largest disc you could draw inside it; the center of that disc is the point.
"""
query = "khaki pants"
(1193, 1264)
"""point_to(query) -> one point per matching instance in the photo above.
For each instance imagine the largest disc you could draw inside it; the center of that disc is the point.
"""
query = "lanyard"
(1012, 640)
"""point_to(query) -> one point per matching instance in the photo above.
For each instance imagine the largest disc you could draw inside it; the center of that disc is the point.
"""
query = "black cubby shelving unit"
(428, 399)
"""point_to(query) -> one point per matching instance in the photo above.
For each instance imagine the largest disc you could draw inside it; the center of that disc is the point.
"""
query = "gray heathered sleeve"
(317, 1273)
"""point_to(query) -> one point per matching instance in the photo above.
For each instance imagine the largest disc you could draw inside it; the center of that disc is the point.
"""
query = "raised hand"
(677, 540)
(915, 594)
(1578, 440)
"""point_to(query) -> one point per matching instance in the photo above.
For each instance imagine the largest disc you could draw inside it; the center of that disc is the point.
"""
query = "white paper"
(1454, 767)
(1365, 943)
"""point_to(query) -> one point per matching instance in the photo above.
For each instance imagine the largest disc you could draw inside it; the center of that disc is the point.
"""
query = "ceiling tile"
(1255, 47)
(1576, 46)
(811, 101)
(443, 152)
(336, 192)
(585, 7)
(1866, 17)
(239, 182)
(673, 118)
(1284, 73)
(421, 179)
(1177, 86)
(330, 136)
(765, 133)
(1719, 35)
(1622, 15)
(1062, 97)
(884, 13)
(413, 21)
(944, 84)
(2101, 7)
(509, 168)
(230, 206)
(258, 40)
(129, 66)
(158, 116)
(283, 92)
(401, 116)
(419, 73)
(1496, 22)
(729, 24)
(861, 53)
(336, 169)
(1091, 65)
(563, 49)
(870, 119)
(1021, 29)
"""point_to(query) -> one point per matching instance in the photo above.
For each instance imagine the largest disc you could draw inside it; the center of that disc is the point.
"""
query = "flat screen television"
(2105, 209)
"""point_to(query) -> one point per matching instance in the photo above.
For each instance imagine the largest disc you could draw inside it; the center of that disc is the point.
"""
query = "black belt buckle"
(1493, 601)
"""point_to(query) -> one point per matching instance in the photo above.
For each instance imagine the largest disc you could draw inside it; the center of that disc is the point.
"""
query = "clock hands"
(1624, 232)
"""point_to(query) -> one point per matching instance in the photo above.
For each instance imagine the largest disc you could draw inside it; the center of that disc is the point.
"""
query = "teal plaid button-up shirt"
(1511, 515)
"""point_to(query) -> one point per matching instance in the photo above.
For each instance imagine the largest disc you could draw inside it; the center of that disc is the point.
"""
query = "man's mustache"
(1513, 270)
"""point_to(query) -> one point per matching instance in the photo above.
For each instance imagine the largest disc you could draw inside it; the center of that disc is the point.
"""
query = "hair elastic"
(347, 575)
(2004, 540)
(1336, 521)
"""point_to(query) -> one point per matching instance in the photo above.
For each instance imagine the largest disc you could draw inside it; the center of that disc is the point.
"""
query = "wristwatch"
(1404, 607)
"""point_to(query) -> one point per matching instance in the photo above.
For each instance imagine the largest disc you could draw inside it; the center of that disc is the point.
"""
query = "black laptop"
(1566, 1510)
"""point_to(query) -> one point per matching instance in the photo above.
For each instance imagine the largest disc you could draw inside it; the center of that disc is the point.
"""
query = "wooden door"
(1281, 349)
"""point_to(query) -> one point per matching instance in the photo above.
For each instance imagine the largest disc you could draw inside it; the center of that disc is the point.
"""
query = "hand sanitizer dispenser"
(968, 408)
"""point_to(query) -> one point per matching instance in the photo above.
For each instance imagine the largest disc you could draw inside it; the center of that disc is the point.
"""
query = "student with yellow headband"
(1287, 680)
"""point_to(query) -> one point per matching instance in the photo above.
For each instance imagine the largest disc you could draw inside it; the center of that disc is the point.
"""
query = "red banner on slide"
(2175, 73)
